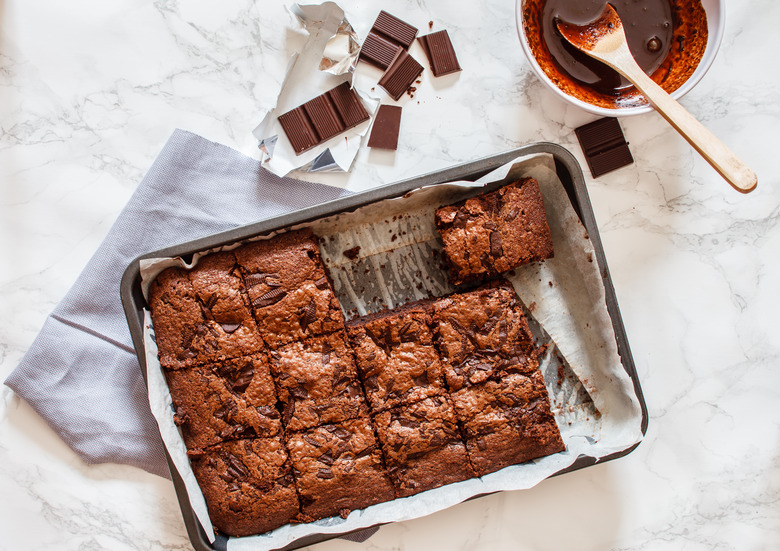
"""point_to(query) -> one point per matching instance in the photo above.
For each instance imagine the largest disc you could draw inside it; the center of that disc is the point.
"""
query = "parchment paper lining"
(593, 398)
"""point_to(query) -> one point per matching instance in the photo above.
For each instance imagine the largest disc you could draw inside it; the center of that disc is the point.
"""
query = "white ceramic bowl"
(716, 18)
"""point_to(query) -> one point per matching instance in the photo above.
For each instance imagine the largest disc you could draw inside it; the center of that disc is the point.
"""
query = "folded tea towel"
(81, 373)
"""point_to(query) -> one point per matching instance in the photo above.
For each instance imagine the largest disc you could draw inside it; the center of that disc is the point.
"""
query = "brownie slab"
(507, 421)
(396, 357)
(248, 485)
(232, 400)
(494, 232)
(289, 291)
(193, 328)
(481, 334)
(317, 382)
(422, 446)
(338, 468)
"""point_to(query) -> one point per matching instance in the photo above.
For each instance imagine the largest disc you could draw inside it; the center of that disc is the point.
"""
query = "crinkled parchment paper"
(398, 260)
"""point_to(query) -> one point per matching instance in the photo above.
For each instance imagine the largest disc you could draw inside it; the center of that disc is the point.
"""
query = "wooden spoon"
(604, 39)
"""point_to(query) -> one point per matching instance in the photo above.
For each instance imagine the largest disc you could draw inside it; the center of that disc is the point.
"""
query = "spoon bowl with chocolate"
(673, 41)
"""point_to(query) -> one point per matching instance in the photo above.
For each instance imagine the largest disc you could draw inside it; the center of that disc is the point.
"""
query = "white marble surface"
(90, 91)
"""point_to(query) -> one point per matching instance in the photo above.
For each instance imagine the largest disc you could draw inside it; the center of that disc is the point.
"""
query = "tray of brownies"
(385, 355)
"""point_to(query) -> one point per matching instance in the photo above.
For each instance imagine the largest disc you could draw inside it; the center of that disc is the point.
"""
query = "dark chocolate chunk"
(440, 53)
(400, 75)
(256, 279)
(396, 30)
(323, 117)
(604, 146)
(387, 123)
(387, 35)
(378, 51)
(495, 244)
(230, 327)
(244, 378)
(322, 283)
(271, 297)
(308, 315)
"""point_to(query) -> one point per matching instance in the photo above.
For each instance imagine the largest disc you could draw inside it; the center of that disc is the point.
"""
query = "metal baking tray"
(568, 171)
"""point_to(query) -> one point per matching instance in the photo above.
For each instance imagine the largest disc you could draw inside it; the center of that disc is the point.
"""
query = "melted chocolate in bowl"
(666, 37)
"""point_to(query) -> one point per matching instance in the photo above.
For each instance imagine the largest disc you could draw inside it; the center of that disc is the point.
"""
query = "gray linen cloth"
(81, 373)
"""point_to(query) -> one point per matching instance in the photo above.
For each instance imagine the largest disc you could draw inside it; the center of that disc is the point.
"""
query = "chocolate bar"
(323, 117)
(401, 74)
(387, 35)
(440, 53)
(604, 146)
(387, 123)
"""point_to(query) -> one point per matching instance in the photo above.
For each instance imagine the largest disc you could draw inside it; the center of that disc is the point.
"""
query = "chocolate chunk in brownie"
(395, 355)
(192, 331)
(507, 421)
(495, 232)
(422, 445)
(481, 334)
(248, 485)
(317, 382)
(220, 288)
(289, 291)
(338, 468)
(232, 400)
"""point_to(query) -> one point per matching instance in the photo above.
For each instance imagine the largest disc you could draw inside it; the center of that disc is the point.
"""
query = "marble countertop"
(89, 93)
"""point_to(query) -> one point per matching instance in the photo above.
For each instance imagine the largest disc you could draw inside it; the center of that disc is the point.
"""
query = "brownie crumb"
(352, 253)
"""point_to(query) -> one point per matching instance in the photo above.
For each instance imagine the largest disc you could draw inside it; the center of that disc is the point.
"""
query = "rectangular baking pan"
(570, 175)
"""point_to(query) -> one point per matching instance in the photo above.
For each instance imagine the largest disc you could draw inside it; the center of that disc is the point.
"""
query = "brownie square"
(231, 400)
(422, 446)
(219, 286)
(481, 334)
(507, 421)
(338, 468)
(289, 291)
(494, 232)
(195, 327)
(396, 357)
(317, 382)
(248, 485)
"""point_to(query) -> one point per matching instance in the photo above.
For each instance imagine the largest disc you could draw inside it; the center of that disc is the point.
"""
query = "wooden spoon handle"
(722, 159)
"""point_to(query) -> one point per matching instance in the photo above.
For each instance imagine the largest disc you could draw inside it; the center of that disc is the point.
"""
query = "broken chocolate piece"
(387, 123)
(401, 74)
(604, 146)
(271, 297)
(440, 53)
(387, 35)
(378, 51)
(323, 117)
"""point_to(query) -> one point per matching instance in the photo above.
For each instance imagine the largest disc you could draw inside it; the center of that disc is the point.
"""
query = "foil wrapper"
(327, 59)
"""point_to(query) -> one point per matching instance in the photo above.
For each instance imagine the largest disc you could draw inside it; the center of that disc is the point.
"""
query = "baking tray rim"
(571, 175)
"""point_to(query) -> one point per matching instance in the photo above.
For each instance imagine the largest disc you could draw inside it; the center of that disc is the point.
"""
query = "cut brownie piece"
(422, 446)
(289, 291)
(481, 334)
(231, 400)
(248, 485)
(317, 382)
(395, 355)
(338, 468)
(507, 421)
(219, 286)
(495, 232)
(190, 331)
